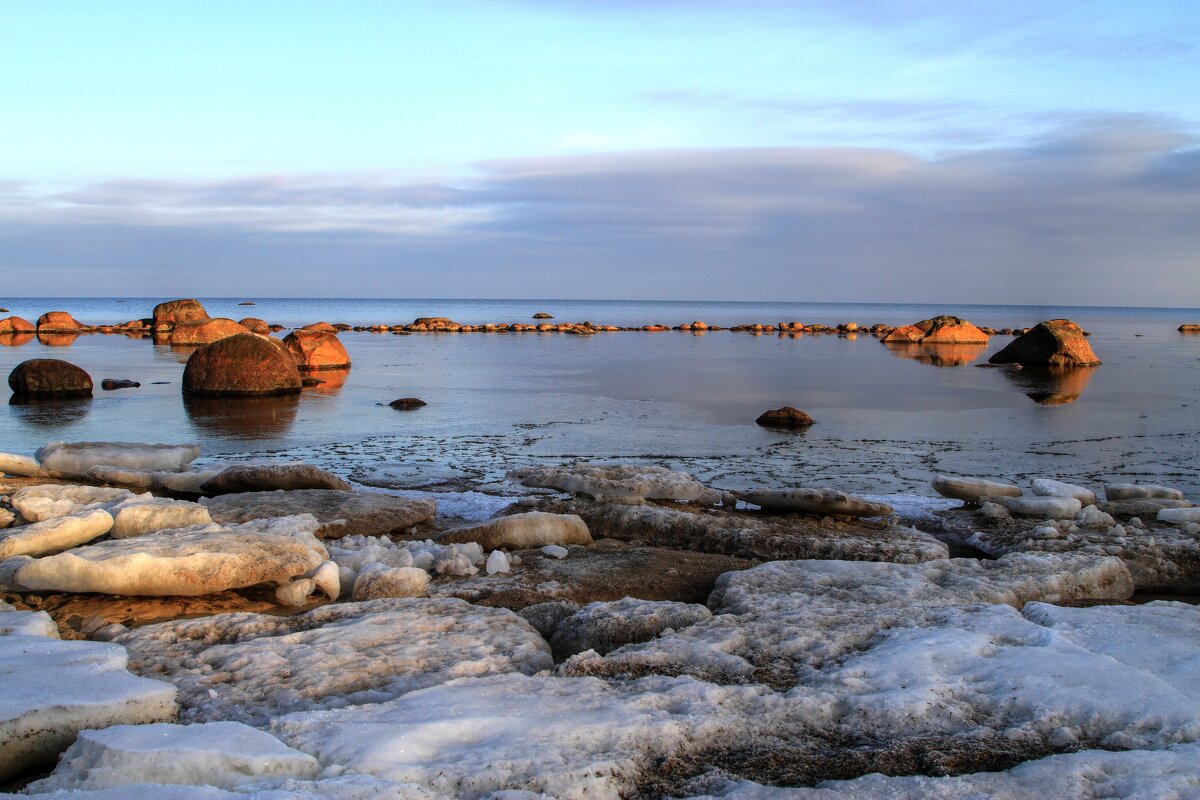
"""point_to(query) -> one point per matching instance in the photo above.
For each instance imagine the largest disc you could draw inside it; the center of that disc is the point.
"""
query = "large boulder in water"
(944, 329)
(1053, 343)
(58, 321)
(244, 364)
(255, 325)
(317, 349)
(169, 314)
(11, 325)
(206, 331)
(49, 377)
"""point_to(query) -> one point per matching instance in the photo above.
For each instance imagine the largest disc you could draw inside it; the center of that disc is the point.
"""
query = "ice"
(77, 458)
(55, 534)
(341, 513)
(1092, 517)
(50, 500)
(1051, 488)
(619, 482)
(139, 516)
(296, 593)
(1133, 491)
(355, 552)
(603, 627)
(1051, 507)
(26, 623)
(521, 531)
(913, 507)
(253, 667)
(222, 754)
(189, 561)
(376, 581)
(349, 787)
(24, 466)
(1179, 516)
(554, 551)
(973, 491)
(815, 501)
(327, 578)
(497, 562)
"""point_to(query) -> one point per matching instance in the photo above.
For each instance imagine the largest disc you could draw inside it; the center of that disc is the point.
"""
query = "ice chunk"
(296, 593)
(340, 512)
(619, 482)
(554, 551)
(604, 627)
(376, 581)
(327, 577)
(26, 623)
(1179, 516)
(77, 458)
(138, 516)
(1045, 487)
(55, 534)
(521, 531)
(815, 501)
(1133, 491)
(24, 466)
(1092, 517)
(973, 491)
(1052, 507)
(497, 562)
(37, 503)
(355, 552)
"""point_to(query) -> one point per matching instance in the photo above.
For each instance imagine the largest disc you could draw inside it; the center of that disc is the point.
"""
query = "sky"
(966, 151)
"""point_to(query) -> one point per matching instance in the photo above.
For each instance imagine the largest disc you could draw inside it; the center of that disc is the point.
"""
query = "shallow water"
(886, 419)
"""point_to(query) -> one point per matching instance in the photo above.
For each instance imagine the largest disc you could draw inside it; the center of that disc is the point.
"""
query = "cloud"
(1101, 213)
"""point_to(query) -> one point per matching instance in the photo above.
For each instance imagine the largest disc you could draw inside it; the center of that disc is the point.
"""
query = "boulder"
(58, 321)
(786, 417)
(76, 458)
(1053, 343)
(205, 331)
(944, 329)
(543, 315)
(815, 501)
(973, 491)
(111, 384)
(167, 315)
(55, 534)
(521, 532)
(255, 325)
(339, 512)
(1187, 327)
(245, 364)
(49, 378)
(320, 326)
(408, 403)
(268, 477)
(618, 482)
(317, 350)
(15, 325)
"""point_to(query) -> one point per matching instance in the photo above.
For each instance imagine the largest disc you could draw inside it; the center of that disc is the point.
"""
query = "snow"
(222, 754)
(54, 534)
(618, 482)
(377, 581)
(1046, 487)
(253, 667)
(521, 531)
(603, 627)
(50, 500)
(77, 458)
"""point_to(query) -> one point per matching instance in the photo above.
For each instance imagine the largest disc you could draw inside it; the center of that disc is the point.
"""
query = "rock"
(604, 627)
(521, 531)
(51, 500)
(269, 477)
(320, 326)
(377, 581)
(49, 378)
(255, 325)
(619, 482)
(205, 331)
(167, 315)
(543, 315)
(317, 350)
(58, 321)
(973, 491)
(67, 687)
(222, 754)
(434, 322)
(76, 458)
(815, 501)
(786, 417)
(1054, 343)
(1132, 491)
(139, 517)
(244, 364)
(407, 403)
(339, 512)
(1050, 488)
(54, 535)
(1178, 516)
(15, 325)
(1047, 507)
(939, 330)
(1187, 327)
(111, 384)
(189, 561)
(333, 656)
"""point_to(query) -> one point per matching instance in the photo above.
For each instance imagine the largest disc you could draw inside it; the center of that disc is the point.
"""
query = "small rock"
(785, 417)
(109, 384)
(407, 403)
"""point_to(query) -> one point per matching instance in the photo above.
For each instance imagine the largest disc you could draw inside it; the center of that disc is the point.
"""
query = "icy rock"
(554, 551)
(377, 581)
(55, 534)
(1133, 491)
(327, 577)
(815, 501)
(973, 491)
(66, 687)
(296, 593)
(521, 531)
(47, 501)
(136, 517)
(545, 617)
(1092, 517)
(269, 477)
(497, 562)
(604, 627)
(619, 482)
(23, 466)
(254, 667)
(1051, 507)
(340, 512)
(188, 561)
(1179, 516)
(1044, 487)
(77, 458)
(222, 754)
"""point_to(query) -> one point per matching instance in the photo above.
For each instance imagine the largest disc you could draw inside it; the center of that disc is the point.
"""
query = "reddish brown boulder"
(49, 377)
(1053, 343)
(255, 325)
(315, 350)
(786, 417)
(245, 364)
(58, 321)
(10, 325)
(939, 330)
(168, 315)
(205, 331)
(1186, 327)
(320, 326)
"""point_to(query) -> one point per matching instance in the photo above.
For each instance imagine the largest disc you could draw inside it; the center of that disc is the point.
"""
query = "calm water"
(887, 420)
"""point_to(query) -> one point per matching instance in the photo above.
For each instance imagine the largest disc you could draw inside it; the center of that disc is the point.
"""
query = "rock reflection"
(1051, 386)
(50, 412)
(242, 417)
(15, 339)
(57, 339)
(331, 380)
(938, 355)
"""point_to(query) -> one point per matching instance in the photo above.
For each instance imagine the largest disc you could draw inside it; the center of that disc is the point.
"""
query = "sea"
(887, 418)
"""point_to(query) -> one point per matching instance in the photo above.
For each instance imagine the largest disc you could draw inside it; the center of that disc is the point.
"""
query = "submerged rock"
(1053, 343)
(269, 477)
(49, 378)
(339, 512)
(619, 482)
(521, 531)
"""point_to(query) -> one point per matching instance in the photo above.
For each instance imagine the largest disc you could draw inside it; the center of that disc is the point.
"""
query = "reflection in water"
(57, 339)
(1051, 386)
(331, 380)
(939, 355)
(15, 339)
(50, 412)
(243, 417)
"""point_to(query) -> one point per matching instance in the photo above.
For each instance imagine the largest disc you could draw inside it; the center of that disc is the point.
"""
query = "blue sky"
(999, 151)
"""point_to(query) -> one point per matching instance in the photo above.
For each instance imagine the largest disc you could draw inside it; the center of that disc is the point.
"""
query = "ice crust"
(253, 667)
(54, 534)
(78, 457)
(619, 482)
(356, 552)
(50, 500)
(139, 515)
